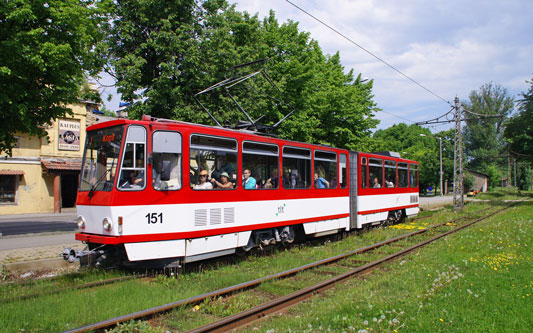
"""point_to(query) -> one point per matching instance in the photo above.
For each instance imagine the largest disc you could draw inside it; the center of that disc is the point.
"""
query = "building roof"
(62, 165)
(11, 173)
(478, 173)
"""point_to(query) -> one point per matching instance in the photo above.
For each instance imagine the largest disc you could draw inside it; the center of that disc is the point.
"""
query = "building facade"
(42, 174)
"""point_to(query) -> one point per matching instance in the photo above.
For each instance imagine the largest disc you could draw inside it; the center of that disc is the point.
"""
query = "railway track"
(364, 265)
(69, 288)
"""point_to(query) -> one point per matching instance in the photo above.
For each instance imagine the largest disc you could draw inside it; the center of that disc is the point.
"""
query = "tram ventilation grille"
(215, 216)
(229, 215)
(200, 217)
(414, 198)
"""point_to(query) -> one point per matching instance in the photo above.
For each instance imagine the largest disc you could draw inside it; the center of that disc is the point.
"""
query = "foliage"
(519, 129)
(524, 177)
(46, 50)
(495, 175)
(468, 182)
(483, 136)
(416, 143)
(107, 112)
(162, 53)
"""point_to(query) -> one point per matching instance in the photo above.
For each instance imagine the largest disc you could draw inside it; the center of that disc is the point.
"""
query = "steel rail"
(78, 287)
(246, 285)
(286, 301)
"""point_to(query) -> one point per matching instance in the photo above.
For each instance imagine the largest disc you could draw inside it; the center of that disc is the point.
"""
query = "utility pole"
(440, 142)
(458, 199)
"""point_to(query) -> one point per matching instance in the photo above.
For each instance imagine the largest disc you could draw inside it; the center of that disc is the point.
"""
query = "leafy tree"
(519, 129)
(524, 176)
(483, 136)
(162, 53)
(46, 50)
(495, 176)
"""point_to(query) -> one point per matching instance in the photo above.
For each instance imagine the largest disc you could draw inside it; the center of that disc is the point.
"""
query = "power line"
(396, 116)
(372, 54)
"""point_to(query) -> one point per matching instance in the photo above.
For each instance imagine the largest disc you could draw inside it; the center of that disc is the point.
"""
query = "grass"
(347, 306)
(478, 280)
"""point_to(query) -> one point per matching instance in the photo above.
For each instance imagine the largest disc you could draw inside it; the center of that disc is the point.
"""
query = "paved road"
(37, 223)
(21, 228)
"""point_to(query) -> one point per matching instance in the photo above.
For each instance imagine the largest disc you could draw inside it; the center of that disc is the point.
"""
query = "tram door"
(354, 156)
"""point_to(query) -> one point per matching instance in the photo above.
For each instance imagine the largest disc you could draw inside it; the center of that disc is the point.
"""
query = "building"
(481, 181)
(42, 174)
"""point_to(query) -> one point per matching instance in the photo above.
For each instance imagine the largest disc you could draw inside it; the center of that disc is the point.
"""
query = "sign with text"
(69, 134)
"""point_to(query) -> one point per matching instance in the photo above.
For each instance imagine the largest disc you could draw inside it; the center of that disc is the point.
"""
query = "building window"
(8, 189)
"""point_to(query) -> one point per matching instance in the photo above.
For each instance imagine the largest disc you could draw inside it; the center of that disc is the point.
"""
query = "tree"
(46, 50)
(519, 129)
(162, 53)
(483, 136)
(524, 176)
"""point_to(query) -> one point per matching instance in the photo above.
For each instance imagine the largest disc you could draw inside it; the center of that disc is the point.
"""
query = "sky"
(450, 47)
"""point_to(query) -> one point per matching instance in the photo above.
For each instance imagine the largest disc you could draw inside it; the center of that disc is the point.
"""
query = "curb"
(37, 265)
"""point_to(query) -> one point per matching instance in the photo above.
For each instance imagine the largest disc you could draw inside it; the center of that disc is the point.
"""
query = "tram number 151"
(153, 218)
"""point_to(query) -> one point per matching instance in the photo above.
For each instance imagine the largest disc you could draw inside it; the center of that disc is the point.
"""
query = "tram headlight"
(81, 222)
(107, 224)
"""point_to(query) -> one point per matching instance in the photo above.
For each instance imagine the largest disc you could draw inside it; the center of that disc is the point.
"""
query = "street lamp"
(440, 144)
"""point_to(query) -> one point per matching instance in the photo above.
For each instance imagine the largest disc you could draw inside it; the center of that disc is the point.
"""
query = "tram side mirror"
(165, 170)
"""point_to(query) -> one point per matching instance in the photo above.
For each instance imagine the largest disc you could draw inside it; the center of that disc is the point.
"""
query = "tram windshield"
(100, 159)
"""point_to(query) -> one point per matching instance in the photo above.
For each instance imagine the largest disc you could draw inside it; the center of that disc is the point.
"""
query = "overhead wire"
(396, 116)
(372, 54)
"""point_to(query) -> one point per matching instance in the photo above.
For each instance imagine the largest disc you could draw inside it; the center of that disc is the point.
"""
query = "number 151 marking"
(153, 218)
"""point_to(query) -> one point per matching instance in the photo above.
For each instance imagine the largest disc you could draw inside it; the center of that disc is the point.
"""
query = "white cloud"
(450, 47)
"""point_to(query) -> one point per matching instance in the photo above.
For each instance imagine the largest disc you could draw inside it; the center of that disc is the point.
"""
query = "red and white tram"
(164, 192)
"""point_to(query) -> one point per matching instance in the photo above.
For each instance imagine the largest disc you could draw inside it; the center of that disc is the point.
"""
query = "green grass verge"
(477, 280)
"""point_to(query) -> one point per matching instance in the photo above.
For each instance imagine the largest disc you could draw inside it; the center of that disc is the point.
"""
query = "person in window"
(204, 184)
(320, 182)
(224, 182)
(390, 183)
(139, 180)
(272, 182)
(248, 182)
(295, 179)
(376, 183)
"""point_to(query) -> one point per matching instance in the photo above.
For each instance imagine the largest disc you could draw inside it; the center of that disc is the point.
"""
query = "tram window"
(296, 167)
(325, 175)
(212, 162)
(262, 161)
(133, 171)
(364, 178)
(343, 171)
(413, 175)
(166, 160)
(390, 174)
(375, 170)
(402, 175)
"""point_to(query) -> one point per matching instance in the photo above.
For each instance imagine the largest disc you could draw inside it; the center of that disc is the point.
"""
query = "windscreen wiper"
(95, 185)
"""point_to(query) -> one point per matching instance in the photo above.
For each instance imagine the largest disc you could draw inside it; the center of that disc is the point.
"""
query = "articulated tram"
(161, 192)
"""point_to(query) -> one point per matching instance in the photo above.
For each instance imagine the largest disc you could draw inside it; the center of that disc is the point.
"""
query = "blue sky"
(451, 47)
